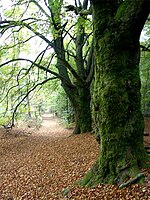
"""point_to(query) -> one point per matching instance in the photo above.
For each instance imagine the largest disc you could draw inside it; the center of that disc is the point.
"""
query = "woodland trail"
(51, 127)
(40, 165)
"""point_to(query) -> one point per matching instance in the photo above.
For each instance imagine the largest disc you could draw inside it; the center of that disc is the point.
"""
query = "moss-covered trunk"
(82, 111)
(80, 98)
(117, 93)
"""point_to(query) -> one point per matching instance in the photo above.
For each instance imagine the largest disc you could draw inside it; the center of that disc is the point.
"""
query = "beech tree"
(117, 28)
(51, 25)
(78, 88)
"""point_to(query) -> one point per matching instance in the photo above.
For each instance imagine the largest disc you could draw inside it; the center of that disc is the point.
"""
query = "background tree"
(117, 28)
(75, 77)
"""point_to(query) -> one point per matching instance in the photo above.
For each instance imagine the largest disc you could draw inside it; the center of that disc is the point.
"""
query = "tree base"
(77, 130)
(127, 175)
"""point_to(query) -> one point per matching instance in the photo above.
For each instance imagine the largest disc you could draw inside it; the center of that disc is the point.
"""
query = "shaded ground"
(40, 165)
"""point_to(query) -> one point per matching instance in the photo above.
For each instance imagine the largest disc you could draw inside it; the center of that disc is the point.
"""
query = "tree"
(78, 89)
(75, 77)
(117, 28)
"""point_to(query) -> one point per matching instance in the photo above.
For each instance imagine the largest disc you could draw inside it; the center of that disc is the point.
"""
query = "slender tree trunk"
(82, 111)
(80, 99)
(117, 92)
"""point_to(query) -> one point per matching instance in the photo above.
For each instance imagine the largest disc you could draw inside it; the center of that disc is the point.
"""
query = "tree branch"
(74, 73)
(40, 67)
(144, 48)
(27, 94)
(10, 24)
(40, 7)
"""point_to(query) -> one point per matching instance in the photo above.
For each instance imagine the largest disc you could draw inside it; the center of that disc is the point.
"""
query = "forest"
(75, 99)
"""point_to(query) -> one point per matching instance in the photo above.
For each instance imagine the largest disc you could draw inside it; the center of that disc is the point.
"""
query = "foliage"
(145, 81)
(60, 105)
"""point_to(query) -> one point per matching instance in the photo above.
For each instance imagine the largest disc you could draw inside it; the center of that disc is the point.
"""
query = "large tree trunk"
(117, 91)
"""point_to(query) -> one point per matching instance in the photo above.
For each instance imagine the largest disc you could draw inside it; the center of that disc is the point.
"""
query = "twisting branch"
(40, 7)
(72, 8)
(27, 94)
(67, 32)
(74, 73)
(39, 66)
(20, 74)
(80, 10)
(19, 43)
(11, 24)
(14, 86)
(90, 57)
(144, 48)
(52, 56)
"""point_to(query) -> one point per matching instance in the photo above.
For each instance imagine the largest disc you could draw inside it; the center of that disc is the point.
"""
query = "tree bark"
(80, 99)
(82, 110)
(117, 90)
(78, 91)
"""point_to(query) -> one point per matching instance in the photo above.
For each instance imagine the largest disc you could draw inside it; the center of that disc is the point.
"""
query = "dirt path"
(51, 127)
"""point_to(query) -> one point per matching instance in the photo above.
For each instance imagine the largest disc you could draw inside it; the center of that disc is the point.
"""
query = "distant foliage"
(145, 70)
(145, 80)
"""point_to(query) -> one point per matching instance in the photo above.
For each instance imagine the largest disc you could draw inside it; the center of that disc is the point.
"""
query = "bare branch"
(37, 65)
(74, 73)
(67, 32)
(19, 43)
(14, 86)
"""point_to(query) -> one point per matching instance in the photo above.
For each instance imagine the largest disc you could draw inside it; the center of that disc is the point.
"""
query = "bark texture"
(117, 28)
(81, 104)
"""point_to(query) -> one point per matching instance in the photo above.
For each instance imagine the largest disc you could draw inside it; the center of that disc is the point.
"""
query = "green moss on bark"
(81, 103)
(117, 99)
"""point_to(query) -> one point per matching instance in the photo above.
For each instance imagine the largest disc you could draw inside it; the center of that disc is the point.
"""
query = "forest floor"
(40, 164)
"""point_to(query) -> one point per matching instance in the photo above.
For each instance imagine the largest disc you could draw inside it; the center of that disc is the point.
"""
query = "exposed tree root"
(127, 175)
(132, 181)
